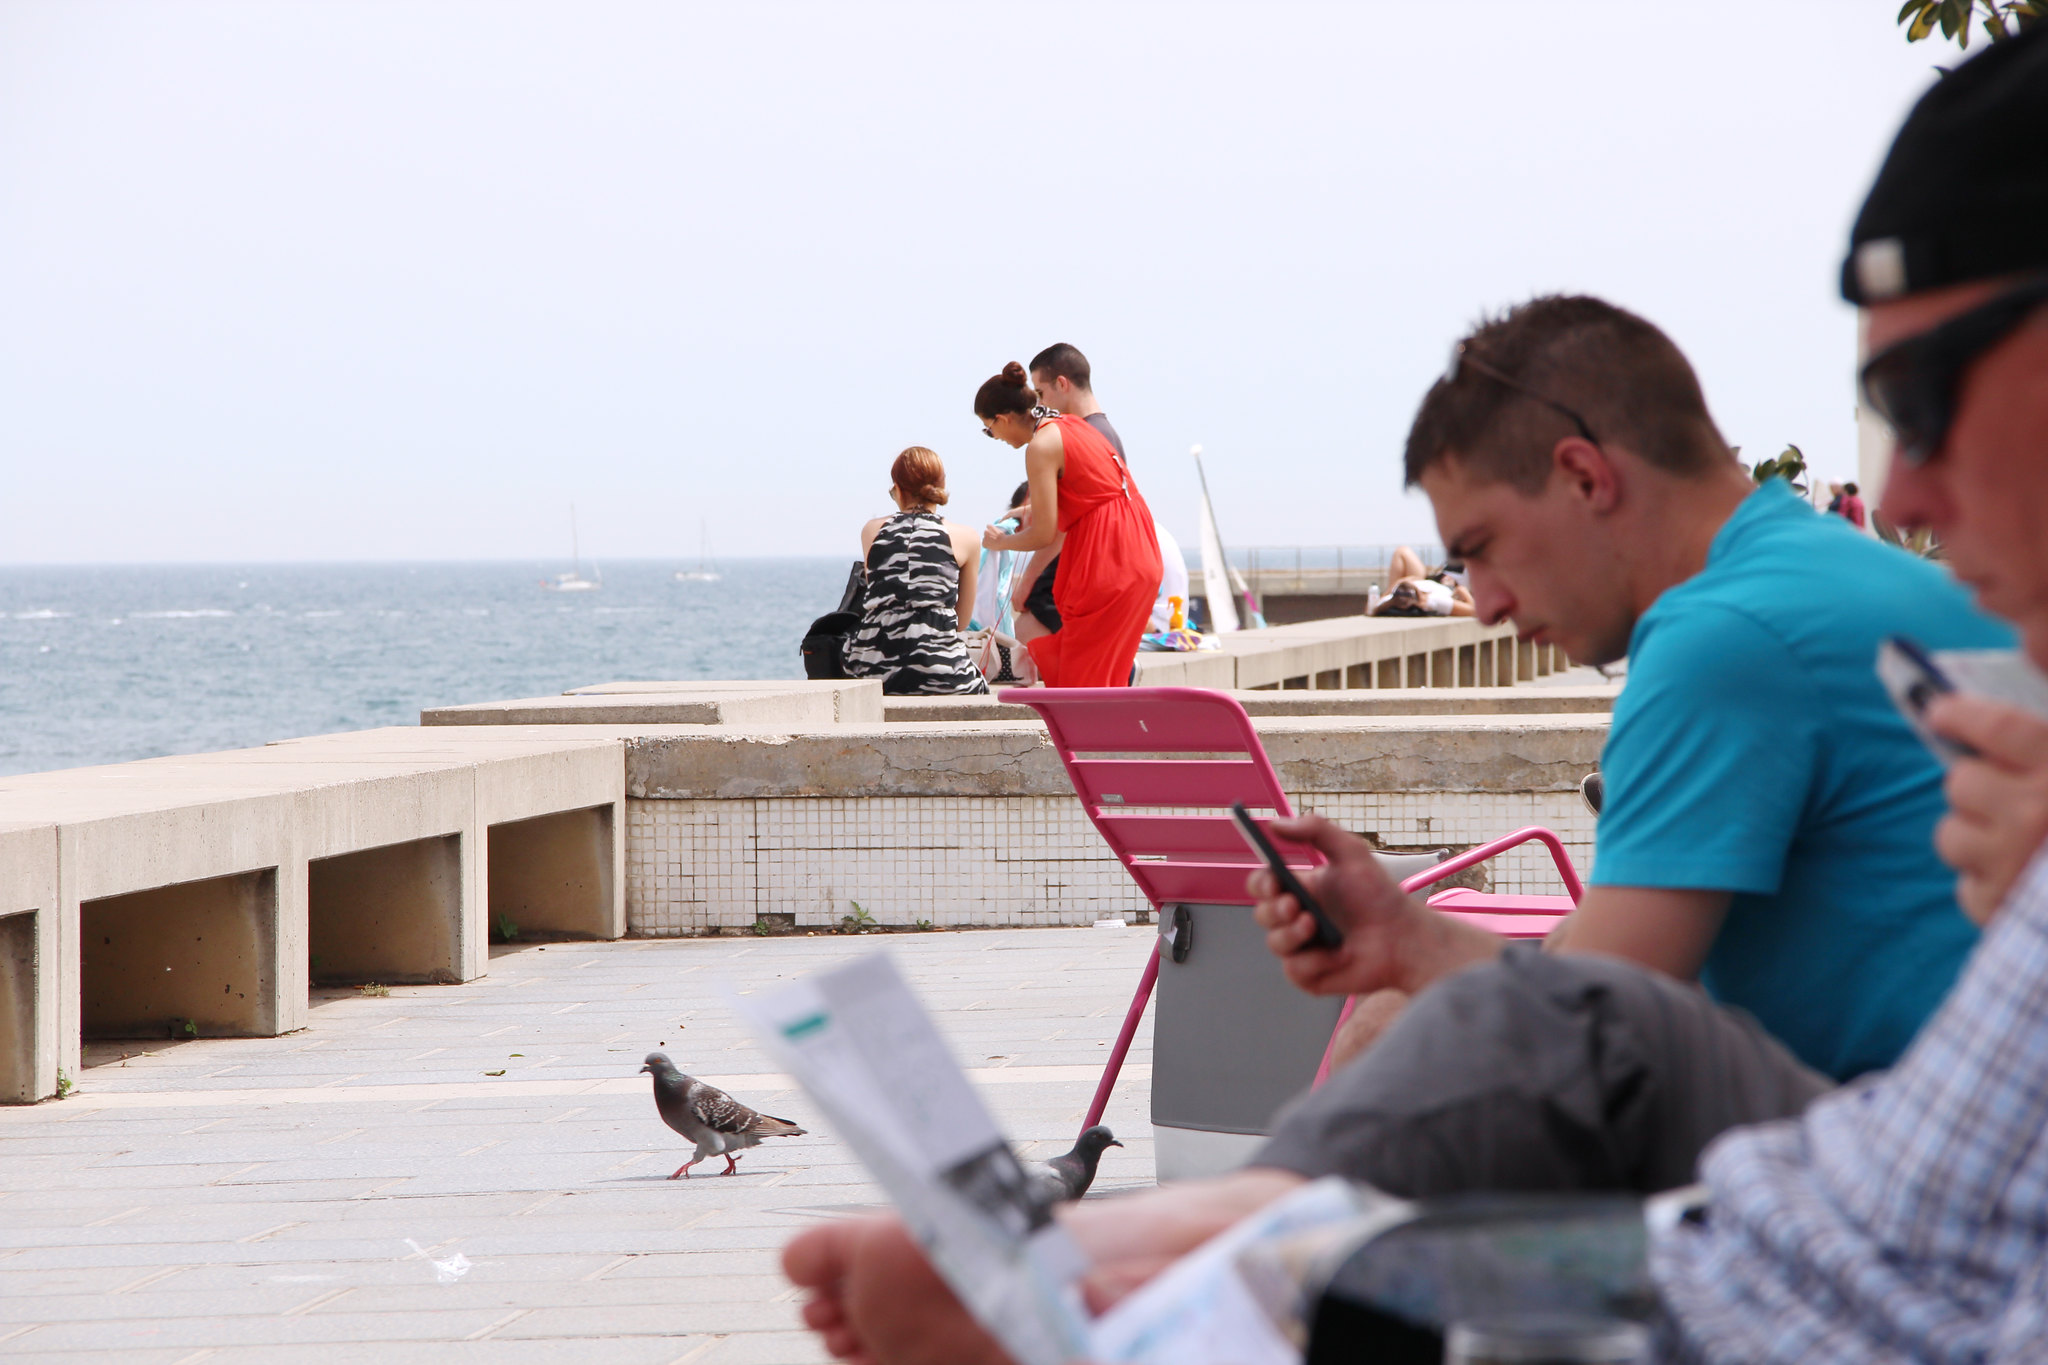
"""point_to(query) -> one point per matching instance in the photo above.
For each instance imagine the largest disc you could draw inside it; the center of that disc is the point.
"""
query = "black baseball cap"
(1963, 193)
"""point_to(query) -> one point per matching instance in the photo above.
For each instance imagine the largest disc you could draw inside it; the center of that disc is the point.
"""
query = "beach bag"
(1001, 660)
(824, 645)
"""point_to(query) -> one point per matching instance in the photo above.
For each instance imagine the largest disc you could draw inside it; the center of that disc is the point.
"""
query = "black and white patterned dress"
(909, 634)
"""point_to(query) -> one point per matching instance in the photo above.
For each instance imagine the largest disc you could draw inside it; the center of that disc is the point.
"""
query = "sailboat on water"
(705, 572)
(572, 579)
(1223, 587)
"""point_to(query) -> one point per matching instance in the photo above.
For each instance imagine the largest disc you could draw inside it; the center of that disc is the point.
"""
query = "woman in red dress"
(1109, 567)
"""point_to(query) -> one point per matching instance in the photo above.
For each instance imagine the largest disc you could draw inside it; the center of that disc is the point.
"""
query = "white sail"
(1216, 588)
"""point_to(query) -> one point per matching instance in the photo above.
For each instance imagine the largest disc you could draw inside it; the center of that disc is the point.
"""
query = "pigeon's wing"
(1050, 1183)
(722, 1113)
(767, 1125)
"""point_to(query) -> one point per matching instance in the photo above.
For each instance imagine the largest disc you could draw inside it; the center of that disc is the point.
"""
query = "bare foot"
(874, 1299)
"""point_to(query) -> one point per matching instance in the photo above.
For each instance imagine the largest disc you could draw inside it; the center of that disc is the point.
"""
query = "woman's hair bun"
(920, 476)
(1008, 392)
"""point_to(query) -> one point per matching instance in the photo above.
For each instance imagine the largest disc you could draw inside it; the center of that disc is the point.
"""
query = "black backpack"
(824, 646)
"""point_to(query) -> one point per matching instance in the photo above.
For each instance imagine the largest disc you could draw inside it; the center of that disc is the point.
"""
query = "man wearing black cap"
(1903, 1217)
(1906, 1217)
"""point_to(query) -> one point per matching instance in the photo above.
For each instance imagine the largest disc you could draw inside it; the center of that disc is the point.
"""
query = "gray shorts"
(1543, 1071)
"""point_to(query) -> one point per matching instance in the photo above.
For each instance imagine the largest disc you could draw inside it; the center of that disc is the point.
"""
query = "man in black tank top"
(1060, 374)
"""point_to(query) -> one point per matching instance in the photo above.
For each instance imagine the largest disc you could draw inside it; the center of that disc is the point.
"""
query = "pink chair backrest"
(1156, 769)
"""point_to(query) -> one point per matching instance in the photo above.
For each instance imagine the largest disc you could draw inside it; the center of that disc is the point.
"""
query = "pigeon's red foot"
(732, 1164)
(683, 1170)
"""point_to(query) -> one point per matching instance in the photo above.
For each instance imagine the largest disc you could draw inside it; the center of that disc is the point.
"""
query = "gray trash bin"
(1232, 1039)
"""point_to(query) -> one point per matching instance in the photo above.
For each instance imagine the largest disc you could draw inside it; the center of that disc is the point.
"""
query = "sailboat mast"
(575, 549)
(1215, 567)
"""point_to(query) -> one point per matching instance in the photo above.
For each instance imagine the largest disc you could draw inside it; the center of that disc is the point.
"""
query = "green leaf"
(1922, 26)
(1912, 7)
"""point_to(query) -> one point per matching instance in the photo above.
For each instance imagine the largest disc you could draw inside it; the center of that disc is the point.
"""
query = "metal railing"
(1321, 568)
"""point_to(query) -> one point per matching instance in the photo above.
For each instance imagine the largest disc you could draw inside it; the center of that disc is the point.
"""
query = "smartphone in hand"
(1327, 934)
(1914, 680)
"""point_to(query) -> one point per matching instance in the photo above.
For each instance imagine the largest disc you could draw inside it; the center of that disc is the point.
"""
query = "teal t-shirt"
(1754, 751)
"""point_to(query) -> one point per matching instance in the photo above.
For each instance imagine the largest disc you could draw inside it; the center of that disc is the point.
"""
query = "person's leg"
(1535, 1072)
(1404, 564)
(1541, 1072)
(1371, 1016)
(1046, 656)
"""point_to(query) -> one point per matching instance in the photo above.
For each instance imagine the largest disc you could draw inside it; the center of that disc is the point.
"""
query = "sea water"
(102, 664)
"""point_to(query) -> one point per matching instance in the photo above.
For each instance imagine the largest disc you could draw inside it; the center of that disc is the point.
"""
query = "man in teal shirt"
(1769, 817)
(1754, 753)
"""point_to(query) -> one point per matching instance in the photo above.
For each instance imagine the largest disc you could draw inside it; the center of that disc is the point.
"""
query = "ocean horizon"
(112, 662)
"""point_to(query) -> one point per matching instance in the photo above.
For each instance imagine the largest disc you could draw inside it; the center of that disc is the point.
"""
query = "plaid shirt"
(1903, 1217)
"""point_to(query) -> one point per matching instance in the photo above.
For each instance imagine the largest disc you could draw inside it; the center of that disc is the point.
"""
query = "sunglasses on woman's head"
(1913, 384)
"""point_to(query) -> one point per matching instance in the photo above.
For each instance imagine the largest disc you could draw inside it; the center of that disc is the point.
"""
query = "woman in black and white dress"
(920, 590)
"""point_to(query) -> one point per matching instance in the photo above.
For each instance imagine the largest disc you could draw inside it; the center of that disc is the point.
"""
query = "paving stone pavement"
(284, 1200)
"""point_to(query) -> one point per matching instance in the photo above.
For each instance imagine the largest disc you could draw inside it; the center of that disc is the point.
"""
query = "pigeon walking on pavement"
(719, 1124)
(1069, 1176)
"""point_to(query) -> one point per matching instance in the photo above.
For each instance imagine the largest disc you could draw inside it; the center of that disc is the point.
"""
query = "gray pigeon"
(719, 1124)
(1069, 1176)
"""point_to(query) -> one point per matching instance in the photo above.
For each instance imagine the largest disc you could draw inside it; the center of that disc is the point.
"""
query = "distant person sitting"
(997, 573)
(1418, 592)
(920, 589)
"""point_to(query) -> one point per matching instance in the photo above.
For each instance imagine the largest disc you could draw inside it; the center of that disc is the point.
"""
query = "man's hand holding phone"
(1997, 797)
(1390, 939)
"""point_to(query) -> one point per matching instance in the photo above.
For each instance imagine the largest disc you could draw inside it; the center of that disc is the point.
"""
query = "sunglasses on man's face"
(1913, 384)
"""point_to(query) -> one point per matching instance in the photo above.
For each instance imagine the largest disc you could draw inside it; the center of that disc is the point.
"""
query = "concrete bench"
(28, 962)
(206, 893)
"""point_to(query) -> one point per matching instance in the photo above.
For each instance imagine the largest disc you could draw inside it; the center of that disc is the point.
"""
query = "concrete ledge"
(790, 703)
(998, 758)
(1381, 652)
(975, 823)
(1359, 652)
(1426, 701)
(1207, 668)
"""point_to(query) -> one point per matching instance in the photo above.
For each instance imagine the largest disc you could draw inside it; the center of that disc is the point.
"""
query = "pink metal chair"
(1156, 768)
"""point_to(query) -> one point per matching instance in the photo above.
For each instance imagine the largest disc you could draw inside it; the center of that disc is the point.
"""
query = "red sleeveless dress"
(1109, 567)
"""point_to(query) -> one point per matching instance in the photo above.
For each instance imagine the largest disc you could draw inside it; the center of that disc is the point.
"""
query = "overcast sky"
(402, 281)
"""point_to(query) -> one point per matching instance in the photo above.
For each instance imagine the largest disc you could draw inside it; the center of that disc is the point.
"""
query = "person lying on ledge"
(1418, 592)
(1902, 1217)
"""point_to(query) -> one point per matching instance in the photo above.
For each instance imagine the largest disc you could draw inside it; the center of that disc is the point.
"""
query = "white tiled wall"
(692, 866)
